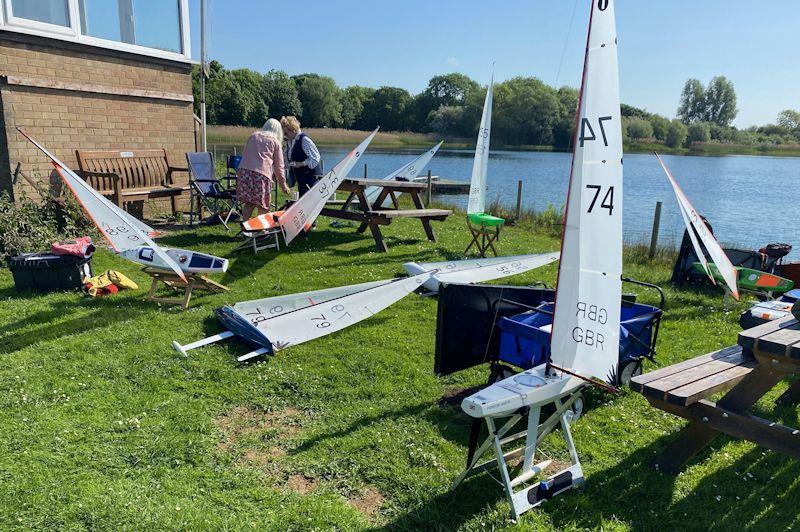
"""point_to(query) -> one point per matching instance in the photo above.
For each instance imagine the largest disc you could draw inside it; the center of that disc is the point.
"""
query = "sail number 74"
(587, 131)
(608, 198)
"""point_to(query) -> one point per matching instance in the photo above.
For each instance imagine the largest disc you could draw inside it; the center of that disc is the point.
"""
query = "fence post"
(365, 170)
(519, 199)
(430, 188)
(214, 150)
(654, 235)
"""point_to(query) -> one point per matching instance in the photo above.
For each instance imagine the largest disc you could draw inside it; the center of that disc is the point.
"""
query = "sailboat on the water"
(408, 172)
(485, 228)
(586, 321)
(275, 323)
(130, 238)
(302, 213)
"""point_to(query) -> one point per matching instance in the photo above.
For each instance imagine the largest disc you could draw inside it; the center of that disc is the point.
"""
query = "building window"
(158, 28)
(150, 23)
(54, 12)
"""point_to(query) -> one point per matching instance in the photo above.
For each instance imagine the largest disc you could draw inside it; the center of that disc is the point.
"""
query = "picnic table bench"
(128, 176)
(763, 357)
(373, 215)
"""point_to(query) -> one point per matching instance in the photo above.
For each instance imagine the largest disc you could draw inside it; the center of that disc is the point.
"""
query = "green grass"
(104, 426)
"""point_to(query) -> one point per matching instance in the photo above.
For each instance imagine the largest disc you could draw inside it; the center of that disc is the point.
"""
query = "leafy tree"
(388, 109)
(525, 111)
(280, 94)
(638, 128)
(444, 90)
(790, 119)
(660, 126)
(693, 102)
(250, 83)
(677, 134)
(720, 102)
(631, 111)
(225, 103)
(699, 132)
(320, 100)
(564, 129)
(354, 99)
(447, 119)
(215, 68)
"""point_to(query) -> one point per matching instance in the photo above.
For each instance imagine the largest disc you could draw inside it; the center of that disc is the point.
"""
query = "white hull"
(188, 261)
(531, 387)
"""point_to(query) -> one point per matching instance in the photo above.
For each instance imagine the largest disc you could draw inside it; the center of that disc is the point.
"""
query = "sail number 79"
(608, 198)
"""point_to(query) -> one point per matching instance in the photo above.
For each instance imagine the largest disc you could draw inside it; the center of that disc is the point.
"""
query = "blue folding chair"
(206, 190)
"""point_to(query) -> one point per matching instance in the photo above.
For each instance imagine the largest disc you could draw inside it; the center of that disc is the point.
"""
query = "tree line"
(526, 110)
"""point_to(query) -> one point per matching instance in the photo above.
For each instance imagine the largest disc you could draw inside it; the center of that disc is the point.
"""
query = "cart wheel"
(577, 408)
(629, 371)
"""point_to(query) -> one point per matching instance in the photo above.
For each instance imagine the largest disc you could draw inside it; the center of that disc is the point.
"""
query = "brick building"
(83, 74)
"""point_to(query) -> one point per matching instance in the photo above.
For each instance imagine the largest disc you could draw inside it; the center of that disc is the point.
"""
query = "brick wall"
(88, 115)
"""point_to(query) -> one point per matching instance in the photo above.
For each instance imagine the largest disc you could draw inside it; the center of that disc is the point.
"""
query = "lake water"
(749, 200)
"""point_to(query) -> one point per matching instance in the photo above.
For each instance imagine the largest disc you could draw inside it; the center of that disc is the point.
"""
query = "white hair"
(273, 127)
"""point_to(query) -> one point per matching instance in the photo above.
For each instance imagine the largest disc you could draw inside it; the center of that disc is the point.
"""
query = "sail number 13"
(608, 198)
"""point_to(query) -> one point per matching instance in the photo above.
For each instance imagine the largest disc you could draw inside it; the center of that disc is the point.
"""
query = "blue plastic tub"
(525, 343)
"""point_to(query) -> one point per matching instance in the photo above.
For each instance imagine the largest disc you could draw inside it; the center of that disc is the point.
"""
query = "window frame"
(73, 33)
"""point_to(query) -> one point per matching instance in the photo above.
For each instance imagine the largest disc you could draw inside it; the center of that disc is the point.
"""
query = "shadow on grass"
(110, 312)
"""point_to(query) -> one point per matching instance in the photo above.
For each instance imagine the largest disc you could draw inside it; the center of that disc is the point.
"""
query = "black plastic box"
(45, 272)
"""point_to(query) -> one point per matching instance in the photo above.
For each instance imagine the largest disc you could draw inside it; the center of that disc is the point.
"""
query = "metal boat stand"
(532, 495)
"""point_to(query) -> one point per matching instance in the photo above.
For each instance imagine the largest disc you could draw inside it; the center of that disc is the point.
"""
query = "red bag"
(80, 247)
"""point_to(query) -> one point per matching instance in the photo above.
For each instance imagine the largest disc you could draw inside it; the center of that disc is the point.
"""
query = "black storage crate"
(45, 272)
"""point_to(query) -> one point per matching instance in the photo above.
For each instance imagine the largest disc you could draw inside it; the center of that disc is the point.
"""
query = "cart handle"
(648, 285)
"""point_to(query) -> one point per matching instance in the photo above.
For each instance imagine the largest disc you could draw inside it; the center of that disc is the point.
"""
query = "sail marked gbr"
(585, 336)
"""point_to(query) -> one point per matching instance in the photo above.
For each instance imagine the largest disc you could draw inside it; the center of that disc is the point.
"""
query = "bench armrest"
(168, 181)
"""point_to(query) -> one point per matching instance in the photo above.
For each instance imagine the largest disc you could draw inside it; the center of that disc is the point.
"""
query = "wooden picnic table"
(764, 356)
(373, 215)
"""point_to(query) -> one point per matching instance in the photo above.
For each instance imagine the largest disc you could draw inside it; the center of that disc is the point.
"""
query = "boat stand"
(260, 240)
(173, 281)
(483, 238)
(532, 495)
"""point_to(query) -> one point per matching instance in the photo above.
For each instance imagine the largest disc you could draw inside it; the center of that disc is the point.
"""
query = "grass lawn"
(104, 426)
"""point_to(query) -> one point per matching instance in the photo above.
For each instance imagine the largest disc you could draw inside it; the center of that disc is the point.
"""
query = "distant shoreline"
(325, 137)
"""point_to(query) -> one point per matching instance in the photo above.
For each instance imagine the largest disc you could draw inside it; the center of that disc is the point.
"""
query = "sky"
(404, 43)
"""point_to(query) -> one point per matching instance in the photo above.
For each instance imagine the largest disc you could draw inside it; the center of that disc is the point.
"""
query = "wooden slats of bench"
(689, 381)
(778, 338)
(413, 213)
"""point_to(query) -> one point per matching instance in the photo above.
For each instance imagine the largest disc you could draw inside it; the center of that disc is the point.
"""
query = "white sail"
(275, 306)
(585, 336)
(406, 172)
(118, 227)
(480, 164)
(304, 211)
(479, 270)
(310, 322)
(694, 223)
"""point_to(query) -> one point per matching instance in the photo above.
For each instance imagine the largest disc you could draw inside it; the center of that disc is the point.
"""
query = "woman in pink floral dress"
(262, 161)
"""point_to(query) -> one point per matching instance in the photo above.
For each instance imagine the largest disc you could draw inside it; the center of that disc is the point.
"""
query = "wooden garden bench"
(765, 355)
(128, 176)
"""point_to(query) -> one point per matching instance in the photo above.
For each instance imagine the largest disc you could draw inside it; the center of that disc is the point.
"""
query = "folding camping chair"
(485, 231)
(207, 190)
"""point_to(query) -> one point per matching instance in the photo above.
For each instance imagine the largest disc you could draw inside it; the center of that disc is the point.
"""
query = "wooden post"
(365, 170)
(214, 151)
(519, 199)
(430, 188)
(654, 235)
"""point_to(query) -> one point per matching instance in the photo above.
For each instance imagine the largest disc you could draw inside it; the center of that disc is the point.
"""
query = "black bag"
(45, 272)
